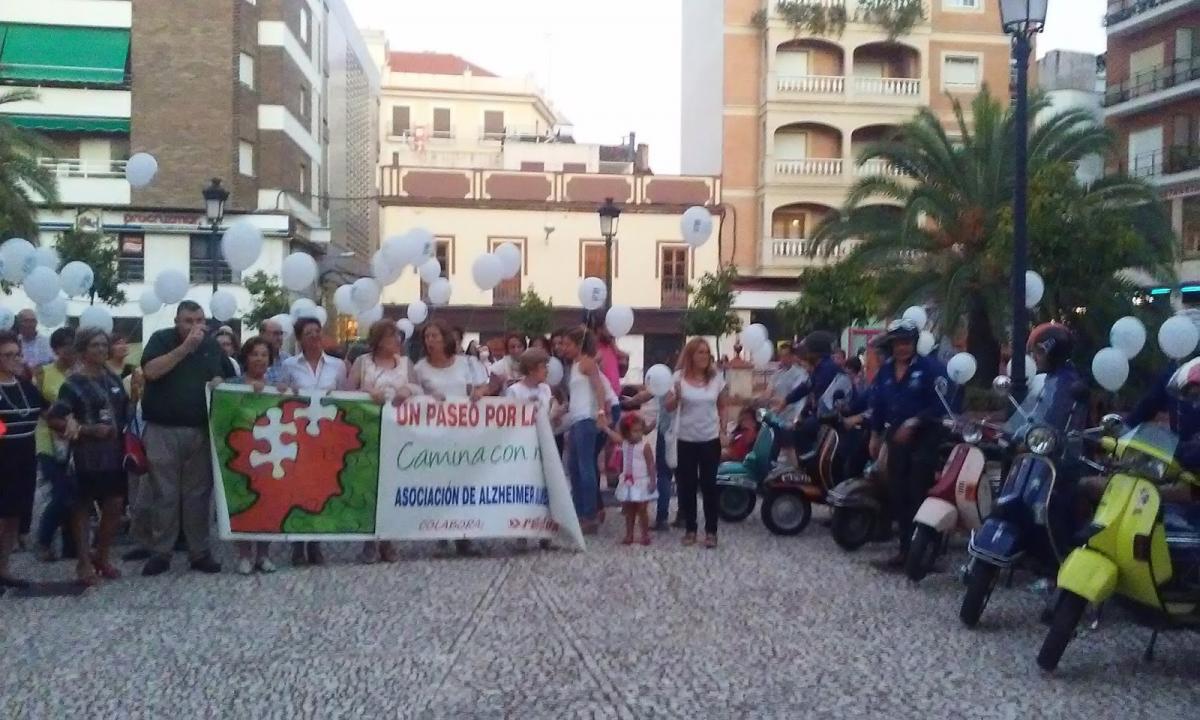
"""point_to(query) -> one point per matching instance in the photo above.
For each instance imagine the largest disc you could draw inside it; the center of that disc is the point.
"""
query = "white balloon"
(77, 278)
(510, 260)
(696, 226)
(1037, 384)
(299, 272)
(917, 314)
(46, 256)
(18, 256)
(1030, 367)
(418, 312)
(300, 306)
(170, 286)
(149, 302)
(754, 335)
(7, 318)
(343, 300)
(321, 315)
(1110, 367)
(1178, 337)
(406, 328)
(925, 342)
(368, 318)
(285, 321)
(1035, 288)
(430, 270)
(659, 380)
(400, 250)
(487, 271)
(241, 245)
(41, 285)
(53, 313)
(592, 293)
(365, 294)
(762, 355)
(619, 320)
(439, 292)
(223, 305)
(554, 374)
(1128, 335)
(383, 270)
(140, 169)
(962, 368)
(97, 317)
(424, 244)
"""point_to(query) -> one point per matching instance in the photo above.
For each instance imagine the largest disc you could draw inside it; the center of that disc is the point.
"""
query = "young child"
(534, 364)
(743, 438)
(638, 486)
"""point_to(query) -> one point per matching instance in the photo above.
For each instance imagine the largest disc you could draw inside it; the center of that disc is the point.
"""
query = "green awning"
(69, 123)
(59, 53)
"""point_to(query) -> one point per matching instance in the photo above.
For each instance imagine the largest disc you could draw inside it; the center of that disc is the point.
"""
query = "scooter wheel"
(921, 552)
(734, 504)
(1067, 613)
(786, 512)
(981, 578)
(852, 527)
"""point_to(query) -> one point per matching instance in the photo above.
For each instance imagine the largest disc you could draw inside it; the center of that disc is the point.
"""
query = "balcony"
(811, 84)
(809, 166)
(89, 182)
(1165, 166)
(794, 254)
(888, 87)
(877, 166)
(1127, 16)
(1153, 88)
(674, 292)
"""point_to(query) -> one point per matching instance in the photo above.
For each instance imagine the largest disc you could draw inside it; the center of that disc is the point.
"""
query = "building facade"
(799, 101)
(481, 160)
(1075, 81)
(277, 98)
(1152, 104)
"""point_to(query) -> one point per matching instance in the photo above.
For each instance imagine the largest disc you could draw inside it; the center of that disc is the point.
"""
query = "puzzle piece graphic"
(279, 449)
(314, 413)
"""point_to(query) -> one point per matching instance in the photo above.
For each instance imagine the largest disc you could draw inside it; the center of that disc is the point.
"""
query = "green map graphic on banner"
(294, 464)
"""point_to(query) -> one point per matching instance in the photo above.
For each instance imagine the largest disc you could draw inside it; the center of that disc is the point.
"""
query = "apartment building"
(480, 160)
(803, 86)
(1075, 81)
(1152, 104)
(276, 98)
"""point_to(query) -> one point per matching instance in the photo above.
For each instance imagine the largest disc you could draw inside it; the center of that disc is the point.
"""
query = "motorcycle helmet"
(1185, 382)
(1053, 339)
(819, 343)
(904, 330)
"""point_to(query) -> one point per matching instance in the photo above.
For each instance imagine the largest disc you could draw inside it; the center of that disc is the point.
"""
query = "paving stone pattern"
(764, 627)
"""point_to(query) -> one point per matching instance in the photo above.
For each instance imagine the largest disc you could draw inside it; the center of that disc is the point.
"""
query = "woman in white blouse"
(443, 373)
(387, 375)
(700, 396)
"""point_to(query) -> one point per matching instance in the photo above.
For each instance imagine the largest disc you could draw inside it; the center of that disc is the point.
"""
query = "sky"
(611, 67)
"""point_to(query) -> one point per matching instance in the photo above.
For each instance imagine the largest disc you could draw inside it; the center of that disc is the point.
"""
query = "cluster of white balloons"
(1177, 338)
(503, 263)
(758, 344)
(36, 270)
(926, 342)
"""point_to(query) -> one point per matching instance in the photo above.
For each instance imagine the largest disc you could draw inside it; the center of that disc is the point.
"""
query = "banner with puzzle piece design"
(336, 466)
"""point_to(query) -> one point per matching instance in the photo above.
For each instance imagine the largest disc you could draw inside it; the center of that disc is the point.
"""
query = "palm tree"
(21, 178)
(944, 242)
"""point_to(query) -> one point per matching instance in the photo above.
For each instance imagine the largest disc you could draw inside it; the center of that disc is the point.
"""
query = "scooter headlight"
(1042, 440)
(971, 433)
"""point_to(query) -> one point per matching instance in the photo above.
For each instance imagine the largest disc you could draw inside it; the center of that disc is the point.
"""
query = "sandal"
(710, 541)
(689, 539)
(105, 569)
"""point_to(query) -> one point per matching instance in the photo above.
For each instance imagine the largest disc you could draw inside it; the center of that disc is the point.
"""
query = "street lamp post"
(214, 209)
(610, 216)
(1022, 19)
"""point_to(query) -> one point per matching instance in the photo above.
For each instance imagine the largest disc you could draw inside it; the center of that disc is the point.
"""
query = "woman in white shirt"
(507, 370)
(443, 373)
(586, 405)
(700, 396)
(387, 375)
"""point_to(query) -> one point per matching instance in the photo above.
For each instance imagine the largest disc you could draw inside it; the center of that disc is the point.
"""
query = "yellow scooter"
(1141, 549)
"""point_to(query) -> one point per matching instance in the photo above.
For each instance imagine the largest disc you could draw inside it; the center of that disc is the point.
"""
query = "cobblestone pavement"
(764, 627)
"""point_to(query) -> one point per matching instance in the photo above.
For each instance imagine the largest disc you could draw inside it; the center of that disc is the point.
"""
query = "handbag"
(135, 461)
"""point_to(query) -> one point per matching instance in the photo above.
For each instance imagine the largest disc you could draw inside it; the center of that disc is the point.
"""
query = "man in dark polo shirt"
(178, 363)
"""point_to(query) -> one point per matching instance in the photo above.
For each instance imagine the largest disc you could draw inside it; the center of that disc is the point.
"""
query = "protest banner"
(336, 466)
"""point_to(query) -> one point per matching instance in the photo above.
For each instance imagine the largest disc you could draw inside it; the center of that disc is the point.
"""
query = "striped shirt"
(20, 406)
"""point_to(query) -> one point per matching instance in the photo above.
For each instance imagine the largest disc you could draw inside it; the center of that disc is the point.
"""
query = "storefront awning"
(69, 123)
(58, 53)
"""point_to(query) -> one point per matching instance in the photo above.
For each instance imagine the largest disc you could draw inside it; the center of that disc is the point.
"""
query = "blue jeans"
(664, 478)
(581, 444)
(58, 509)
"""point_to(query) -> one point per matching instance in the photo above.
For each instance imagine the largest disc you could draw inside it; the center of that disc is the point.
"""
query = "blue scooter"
(740, 480)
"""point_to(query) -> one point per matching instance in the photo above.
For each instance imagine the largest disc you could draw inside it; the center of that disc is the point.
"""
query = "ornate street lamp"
(610, 216)
(214, 209)
(1022, 19)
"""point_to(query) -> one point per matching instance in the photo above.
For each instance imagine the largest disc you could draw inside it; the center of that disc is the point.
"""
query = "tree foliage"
(710, 305)
(832, 297)
(22, 180)
(533, 316)
(102, 255)
(269, 297)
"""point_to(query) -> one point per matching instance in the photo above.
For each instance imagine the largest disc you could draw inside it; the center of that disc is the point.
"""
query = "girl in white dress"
(638, 486)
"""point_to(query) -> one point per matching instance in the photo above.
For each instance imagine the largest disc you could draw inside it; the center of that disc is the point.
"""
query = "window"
(303, 185)
(445, 257)
(530, 166)
(569, 167)
(246, 69)
(673, 276)
(304, 24)
(493, 124)
(401, 120)
(960, 72)
(508, 292)
(202, 265)
(131, 263)
(305, 103)
(246, 158)
(962, 4)
(789, 225)
(594, 260)
(1145, 152)
(441, 123)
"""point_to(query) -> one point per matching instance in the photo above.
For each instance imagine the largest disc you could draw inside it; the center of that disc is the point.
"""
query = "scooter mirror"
(1002, 385)
(1112, 422)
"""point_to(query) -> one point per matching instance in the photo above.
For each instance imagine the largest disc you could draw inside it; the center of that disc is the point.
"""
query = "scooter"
(740, 480)
(960, 499)
(1139, 548)
(861, 512)
(789, 494)
(1032, 519)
